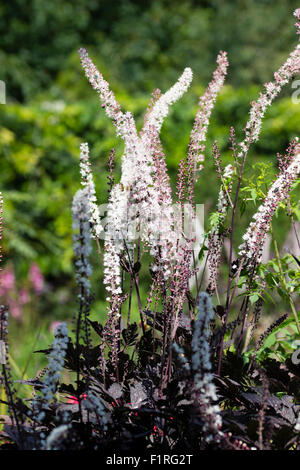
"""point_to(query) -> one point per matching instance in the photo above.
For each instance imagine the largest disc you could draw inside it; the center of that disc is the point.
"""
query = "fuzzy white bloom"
(137, 182)
(122, 121)
(88, 182)
(161, 107)
(257, 231)
(116, 231)
(206, 104)
(158, 209)
(162, 224)
(112, 276)
(156, 217)
(82, 239)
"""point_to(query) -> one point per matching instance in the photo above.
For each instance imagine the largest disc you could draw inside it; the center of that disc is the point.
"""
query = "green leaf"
(253, 298)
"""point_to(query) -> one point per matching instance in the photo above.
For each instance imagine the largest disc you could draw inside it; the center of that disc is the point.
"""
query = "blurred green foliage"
(138, 41)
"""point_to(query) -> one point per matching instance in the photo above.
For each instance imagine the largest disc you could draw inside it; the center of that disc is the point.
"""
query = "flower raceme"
(81, 239)
(137, 163)
(55, 365)
(144, 180)
(206, 104)
(204, 388)
(256, 233)
(271, 91)
(88, 182)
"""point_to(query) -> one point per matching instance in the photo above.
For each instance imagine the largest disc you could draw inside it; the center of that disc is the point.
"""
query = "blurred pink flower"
(36, 278)
(23, 296)
(53, 325)
(7, 281)
(15, 309)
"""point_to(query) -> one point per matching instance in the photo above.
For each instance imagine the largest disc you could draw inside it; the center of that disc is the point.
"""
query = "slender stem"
(230, 278)
(129, 301)
(203, 272)
(226, 191)
(99, 250)
(132, 274)
(196, 277)
(293, 221)
(78, 326)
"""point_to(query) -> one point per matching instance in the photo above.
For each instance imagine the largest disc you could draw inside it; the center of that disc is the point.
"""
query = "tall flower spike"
(149, 147)
(124, 122)
(161, 107)
(88, 182)
(56, 362)
(135, 158)
(271, 90)
(204, 388)
(151, 141)
(297, 15)
(81, 239)
(137, 161)
(206, 104)
(55, 365)
(110, 104)
(117, 224)
(82, 249)
(255, 235)
(160, 200)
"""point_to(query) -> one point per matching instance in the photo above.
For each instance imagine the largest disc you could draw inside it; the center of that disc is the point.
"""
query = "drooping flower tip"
(82, 52)
(222, 60)
(88, 183)
(161, 107)
(61, 330)
(84, 147)
(297, 13)
(188, 73)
